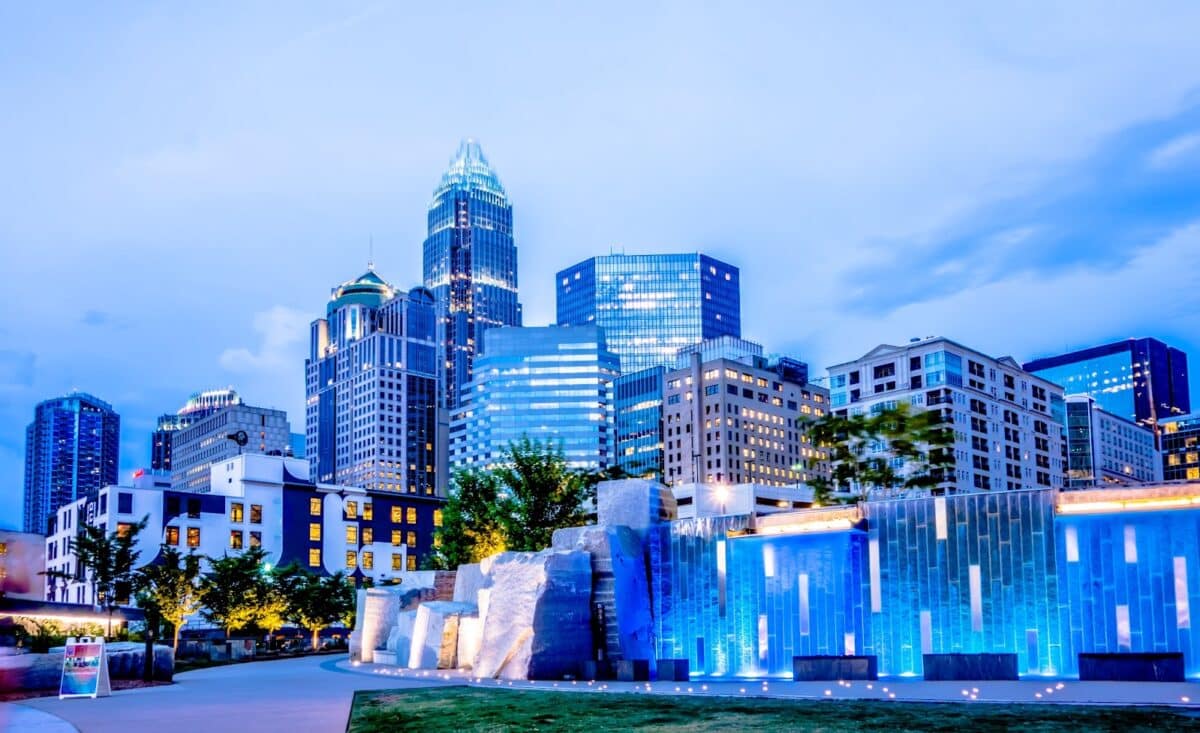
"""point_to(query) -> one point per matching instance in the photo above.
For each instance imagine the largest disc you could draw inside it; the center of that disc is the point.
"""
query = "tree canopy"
(239, 593)
(170, 587)
(105, 561)
(313, 601)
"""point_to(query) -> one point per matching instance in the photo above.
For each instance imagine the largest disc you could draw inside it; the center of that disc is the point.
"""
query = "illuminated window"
(368, 535)
(193, 536)
(396, 538)
(437, 517)
(1193, 474)
(235, 512)
(256, 539)
(368, 560)
(351, 535)
(351, 559)
(173, 536)
(396, 515)
(314, 558)
(368, 511)
(410, 515)
(314, 531)
(396, 562)
(256, 514)
(411, 539)
(235, 539)
(314, 506)
(123, 529)
(352, 510)
(412, 562)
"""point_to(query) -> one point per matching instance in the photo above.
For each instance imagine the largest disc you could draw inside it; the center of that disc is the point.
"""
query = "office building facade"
(738, 421)
(650, 306)
(214, 438)
(371, 416)
(1181, 448)
(1143, 380)
(199, 406)
(1008, 424)
(550, 384)
(1107, 450)
(71, 451)
(470, 263)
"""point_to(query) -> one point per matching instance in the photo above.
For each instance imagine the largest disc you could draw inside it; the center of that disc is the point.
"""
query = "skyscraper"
(470, 263)
(371, 418)
(1143, 380)
(213, 438)
(549, 384)
(650, 306)
(199, 406)
(71, 451)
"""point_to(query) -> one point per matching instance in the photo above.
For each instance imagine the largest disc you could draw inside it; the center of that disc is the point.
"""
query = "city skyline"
(905, 206)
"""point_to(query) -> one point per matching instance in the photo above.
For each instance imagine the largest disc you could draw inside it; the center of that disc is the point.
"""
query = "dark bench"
(672, 670)
(947, 667)
(1132, 667)
(826, 668)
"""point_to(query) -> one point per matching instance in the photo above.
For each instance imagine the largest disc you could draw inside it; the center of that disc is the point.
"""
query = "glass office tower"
(651, 305)
(470, 263)
(548, 384)
(371, 418)
(199, 406)
(71, 452)
(1143, 380)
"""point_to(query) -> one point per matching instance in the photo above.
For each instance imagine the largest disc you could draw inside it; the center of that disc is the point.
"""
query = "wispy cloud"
(282, 332)
(1175, 151)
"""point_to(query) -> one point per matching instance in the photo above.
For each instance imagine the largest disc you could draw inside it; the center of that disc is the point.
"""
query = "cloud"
(16, 370)
(282, 331)
(92, 317)
(1171, 152)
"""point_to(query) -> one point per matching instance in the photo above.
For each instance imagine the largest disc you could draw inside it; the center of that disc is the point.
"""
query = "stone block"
(383, 656)
(634, 503)
(435, 634)
(399, 641)
(470, 634)
(1132, 667)
(970, 667)
(828, 668)
(633, 670)
(468, 580)
(536, 615)
(672, 670)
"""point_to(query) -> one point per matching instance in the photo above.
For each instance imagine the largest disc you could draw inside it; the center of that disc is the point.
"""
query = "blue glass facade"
(71, 452)
(549, 384)
(470, 263)
(651, 305)
(371, 418)
(1041, 574)
(1139, 379)
(639, 399)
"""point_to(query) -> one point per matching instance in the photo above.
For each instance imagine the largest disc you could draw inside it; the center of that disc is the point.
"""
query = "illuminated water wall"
(1005, 572)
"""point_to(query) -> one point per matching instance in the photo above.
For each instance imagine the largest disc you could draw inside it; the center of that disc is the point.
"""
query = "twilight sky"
(182, 185)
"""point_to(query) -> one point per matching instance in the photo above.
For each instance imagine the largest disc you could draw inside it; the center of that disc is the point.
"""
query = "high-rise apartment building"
(548, 384)
(71, 451)
(470, 263)
(650, 306)
(1008, 424)
(371, 418)
(1181, 448)
(200, 405)
(1143, 380)
(738, 421)
(1107, 450)
(216, 438)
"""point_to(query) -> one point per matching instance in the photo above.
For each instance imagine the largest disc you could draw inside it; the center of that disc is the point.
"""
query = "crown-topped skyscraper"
(470, 263)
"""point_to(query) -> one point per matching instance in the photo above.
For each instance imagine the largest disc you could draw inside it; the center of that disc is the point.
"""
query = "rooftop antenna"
(371, 253)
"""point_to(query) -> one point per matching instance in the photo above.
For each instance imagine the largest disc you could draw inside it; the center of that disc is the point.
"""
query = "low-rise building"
(1104, 449)
(1181, 448)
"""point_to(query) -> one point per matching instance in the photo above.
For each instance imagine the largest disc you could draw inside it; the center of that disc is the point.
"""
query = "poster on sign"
(85, 670)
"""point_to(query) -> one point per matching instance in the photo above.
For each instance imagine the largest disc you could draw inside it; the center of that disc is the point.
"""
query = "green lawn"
(461, 709)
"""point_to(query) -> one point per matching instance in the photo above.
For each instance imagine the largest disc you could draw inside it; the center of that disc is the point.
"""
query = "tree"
(238, 592)
(169, 588)
(315, 602)
(105, 562)
(890, 449)
(541, 494)
(471, 528)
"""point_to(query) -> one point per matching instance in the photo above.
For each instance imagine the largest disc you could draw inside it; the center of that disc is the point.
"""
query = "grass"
(462, 709)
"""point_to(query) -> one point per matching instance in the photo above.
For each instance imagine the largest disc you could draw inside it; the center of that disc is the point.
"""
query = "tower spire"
(371, 253)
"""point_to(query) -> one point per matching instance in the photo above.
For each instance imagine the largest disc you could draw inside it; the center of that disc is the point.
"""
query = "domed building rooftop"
(367, 289)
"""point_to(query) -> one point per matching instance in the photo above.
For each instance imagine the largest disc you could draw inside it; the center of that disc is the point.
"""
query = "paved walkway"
(314, 694)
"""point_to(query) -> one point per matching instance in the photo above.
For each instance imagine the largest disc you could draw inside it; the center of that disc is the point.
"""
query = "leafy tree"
(471, 528)
(863, 451)
(238, 592)
(314, 601)
(105, 562)
(541, 494)
(170, 588)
